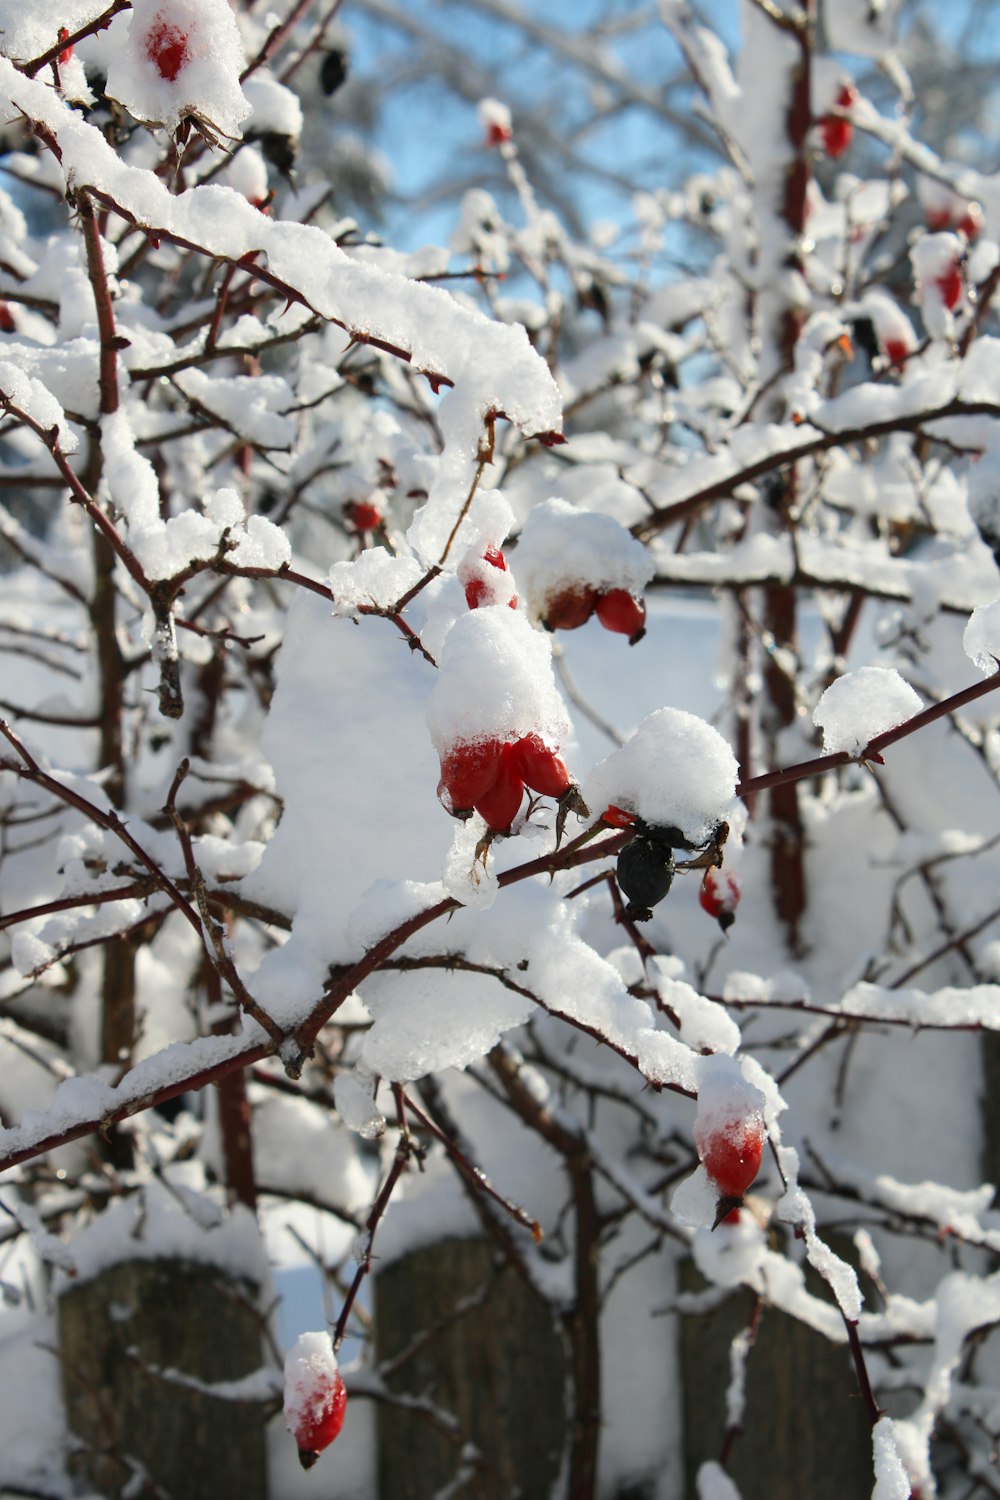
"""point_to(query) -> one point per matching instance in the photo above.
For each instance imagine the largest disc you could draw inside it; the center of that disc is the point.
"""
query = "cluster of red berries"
(731, 1155)
(837, 132)
(490, 776)
(617, 610)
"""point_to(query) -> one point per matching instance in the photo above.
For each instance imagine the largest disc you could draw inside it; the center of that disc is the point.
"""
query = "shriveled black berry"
(645, 871)
(333, 70)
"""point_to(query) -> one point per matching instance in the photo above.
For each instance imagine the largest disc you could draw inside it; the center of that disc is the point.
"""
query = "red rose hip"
(541, 769)
(569, 607)
(622, 612)
(719, 896)
(468, 771)
(167, 49)
(314, 1396)
(498, 806)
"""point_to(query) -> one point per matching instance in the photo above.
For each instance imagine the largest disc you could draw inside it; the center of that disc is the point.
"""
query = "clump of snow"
(982, 637)
(891, 1480)
(172, 58)
(496, 682)
(495, 118)
(694, 1201)
(562, 545)
(467, 879)
(725, 1099)
(31, 396)
(715, 1484)
(795, 1208)
(861, 705)
(354, 1098)
(373, 580)
(275, 110)
(427, 1021)
(704, 1025)
(675, 770)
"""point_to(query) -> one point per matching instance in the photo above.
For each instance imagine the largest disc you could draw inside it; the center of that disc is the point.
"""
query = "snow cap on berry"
(495, 118)
(172, 58)
(861, 705)
(675, 770)
(937, 262)
(725, 1098)
(561, 545)
(495, 682)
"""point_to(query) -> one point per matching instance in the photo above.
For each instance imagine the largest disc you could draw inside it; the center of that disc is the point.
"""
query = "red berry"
(478, 589)
(951, 285)
(731, 1155)
(622, 612)
(468, 772)
(837, 135)
(167, 47)
(7, 318)
(937, 218)
(540, 768)
(67, 52)
(720, 896)
(617, 816)
(498, 807)
(896, 351)
(314, 1396)
(569, 608)
(318, 1432)
(836, 132)
(497, 134)
(363, 515)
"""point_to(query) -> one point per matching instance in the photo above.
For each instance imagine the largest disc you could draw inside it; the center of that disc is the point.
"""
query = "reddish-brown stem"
(872, 751)
(110, 344)
(399, 1164)
(101, 23)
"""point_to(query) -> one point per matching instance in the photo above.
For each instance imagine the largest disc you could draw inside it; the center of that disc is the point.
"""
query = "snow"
(675, 771)
(714, 1483)
(156, 1224)
(495, 683)
(171, 58)
(891, 1481)
(426, 1021)
(861, 705)
(982, 637)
